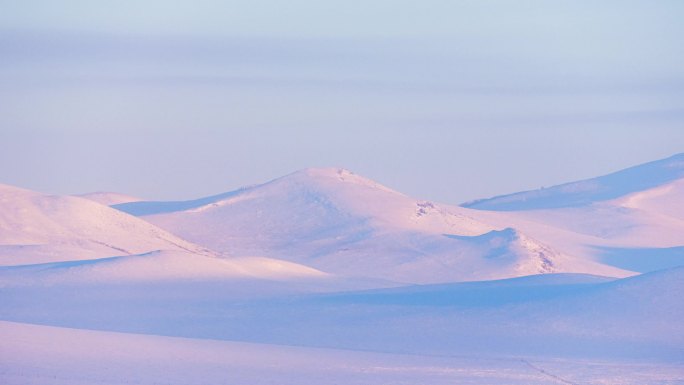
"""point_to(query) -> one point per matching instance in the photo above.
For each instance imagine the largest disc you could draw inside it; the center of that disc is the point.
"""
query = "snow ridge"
(585, 192)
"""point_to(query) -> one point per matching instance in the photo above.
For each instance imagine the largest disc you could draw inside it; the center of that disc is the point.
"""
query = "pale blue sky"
(444, 100)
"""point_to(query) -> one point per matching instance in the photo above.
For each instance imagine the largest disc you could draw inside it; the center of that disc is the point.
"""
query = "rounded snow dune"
(39, 228)
(166, 265)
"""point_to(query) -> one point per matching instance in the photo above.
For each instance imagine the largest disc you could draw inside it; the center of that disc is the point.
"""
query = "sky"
(441, 100)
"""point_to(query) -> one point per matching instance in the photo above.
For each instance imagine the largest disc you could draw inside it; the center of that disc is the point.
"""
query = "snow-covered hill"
(619, 184)
(342, 223)
(39, 228)
(632, 219)
(48, 241)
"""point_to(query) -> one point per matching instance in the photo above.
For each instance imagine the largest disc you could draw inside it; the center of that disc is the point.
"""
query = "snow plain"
(32, 355)
(326, 277)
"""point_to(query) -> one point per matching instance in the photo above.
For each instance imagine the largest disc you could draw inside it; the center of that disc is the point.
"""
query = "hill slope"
(634, 179)
(38, 228)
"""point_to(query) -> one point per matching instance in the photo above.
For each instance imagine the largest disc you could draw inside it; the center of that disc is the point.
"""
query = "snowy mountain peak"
(315, 183)
(331, 176)
(326, 172)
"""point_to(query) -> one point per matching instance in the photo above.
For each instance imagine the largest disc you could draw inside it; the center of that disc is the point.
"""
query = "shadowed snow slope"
(342, 223)
(37, 228)
(611, 186)
(552, 315)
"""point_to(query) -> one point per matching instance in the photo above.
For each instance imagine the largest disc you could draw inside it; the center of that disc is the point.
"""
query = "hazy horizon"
(447, 101)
